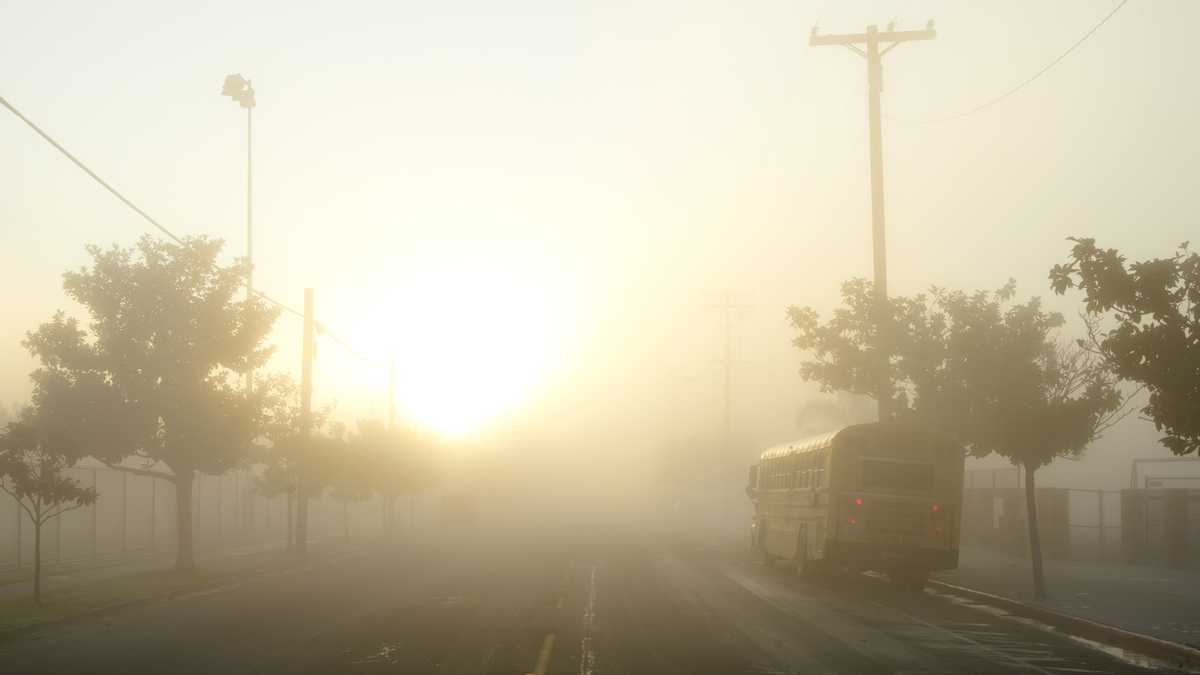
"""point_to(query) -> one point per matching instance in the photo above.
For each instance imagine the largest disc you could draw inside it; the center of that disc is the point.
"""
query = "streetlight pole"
(239, 89)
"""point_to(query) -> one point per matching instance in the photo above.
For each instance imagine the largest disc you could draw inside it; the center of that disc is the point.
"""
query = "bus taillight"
(937, 520)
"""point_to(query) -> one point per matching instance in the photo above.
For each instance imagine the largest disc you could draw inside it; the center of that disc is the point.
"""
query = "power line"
(1024, 83)
(159, 226)
(81, 165)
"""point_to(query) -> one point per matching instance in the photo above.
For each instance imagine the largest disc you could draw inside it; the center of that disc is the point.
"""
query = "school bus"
(881, 496)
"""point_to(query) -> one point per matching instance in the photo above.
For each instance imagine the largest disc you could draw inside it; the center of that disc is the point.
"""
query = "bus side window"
(821, 472)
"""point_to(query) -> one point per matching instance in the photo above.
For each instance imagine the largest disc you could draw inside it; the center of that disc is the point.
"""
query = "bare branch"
(140, 472)
(62, 510)
(1121, 412)
(20, 502)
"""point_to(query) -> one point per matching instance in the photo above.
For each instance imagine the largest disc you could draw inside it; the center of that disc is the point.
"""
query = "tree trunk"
(37, 561)
(185, 556)
(1035, 539)
(346, 519)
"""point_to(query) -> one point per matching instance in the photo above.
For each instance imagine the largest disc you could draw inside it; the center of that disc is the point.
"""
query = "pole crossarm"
(862, 38)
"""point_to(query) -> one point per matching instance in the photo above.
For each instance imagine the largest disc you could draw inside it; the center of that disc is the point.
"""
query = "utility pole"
(392, 393)
(871, 51)
(306, 384)
(727, 306)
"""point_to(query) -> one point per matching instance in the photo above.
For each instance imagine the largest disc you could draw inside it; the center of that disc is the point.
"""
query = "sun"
(474, 337)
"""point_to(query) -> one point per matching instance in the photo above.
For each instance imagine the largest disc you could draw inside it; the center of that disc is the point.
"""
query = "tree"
(349, 468)
(153, 378)
(989, 372)
(1155, 342)
(31, 470)
(400, 463)
(301, 455)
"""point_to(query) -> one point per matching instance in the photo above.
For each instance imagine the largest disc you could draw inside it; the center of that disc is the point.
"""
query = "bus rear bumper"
(871, 555)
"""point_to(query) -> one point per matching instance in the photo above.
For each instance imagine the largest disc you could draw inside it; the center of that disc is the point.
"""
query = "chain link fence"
(134, 517)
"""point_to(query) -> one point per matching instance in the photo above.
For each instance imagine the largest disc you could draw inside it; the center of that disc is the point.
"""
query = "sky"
(533, 206)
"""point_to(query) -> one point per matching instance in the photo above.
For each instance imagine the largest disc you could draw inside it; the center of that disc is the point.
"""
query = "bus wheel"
(805, 567)
(765, 558)
(910, 579)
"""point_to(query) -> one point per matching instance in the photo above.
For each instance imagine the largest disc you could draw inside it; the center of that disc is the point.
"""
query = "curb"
(1172, 654)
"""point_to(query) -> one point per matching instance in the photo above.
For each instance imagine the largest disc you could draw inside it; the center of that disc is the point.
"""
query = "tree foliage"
(153, 375)
(975, 364)
(31, 471)
(1155, 305)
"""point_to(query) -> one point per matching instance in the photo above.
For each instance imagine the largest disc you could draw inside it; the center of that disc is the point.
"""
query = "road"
(615, 600)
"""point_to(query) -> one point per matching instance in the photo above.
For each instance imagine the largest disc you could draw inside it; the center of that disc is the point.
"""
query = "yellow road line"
(543, 661)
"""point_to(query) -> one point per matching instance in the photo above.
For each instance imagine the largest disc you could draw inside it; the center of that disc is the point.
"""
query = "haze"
(575, 228)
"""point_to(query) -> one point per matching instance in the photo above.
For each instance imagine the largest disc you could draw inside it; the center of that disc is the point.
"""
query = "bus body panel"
(872, 496)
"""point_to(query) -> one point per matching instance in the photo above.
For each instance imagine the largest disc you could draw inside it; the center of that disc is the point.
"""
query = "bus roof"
(822, 441)
(803, 445)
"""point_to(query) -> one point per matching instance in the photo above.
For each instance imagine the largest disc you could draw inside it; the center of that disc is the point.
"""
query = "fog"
(558, 242)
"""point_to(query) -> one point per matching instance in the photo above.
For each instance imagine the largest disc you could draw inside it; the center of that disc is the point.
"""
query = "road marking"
(543, 660)
(587, 658)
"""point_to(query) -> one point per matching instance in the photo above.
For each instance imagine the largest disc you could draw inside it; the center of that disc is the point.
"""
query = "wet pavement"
(585, 599)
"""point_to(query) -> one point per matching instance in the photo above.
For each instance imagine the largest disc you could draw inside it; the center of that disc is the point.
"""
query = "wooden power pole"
(391, 424)
(727, 306)
(870, 42)
(306, 386)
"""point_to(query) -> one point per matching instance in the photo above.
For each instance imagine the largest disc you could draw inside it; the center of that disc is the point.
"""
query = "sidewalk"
(1156, 601)
(16, 584)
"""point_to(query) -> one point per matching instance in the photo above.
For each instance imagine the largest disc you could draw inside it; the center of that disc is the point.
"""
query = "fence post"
(154, 516)
(96, 516)
(18, 512)
(124, 514)
(239, 518)
(220, 500)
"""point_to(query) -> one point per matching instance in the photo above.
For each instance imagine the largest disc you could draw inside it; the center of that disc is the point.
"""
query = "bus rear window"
(909, 477)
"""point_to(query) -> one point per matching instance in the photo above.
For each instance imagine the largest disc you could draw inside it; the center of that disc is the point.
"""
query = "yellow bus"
(883, 497)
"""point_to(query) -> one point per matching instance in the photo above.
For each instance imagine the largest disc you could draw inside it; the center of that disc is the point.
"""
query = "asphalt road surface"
(581, 600)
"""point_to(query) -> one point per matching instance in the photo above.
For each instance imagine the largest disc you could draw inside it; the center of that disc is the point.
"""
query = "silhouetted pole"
(392, 393)
(250, 211)
(871, 40)
(240, 90)
(306, 376)
(727, 306)
(728, 372)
